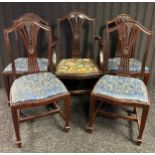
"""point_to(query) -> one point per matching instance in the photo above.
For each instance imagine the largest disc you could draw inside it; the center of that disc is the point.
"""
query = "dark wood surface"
(20, 27)
(127, 30)
(76, 23)
(28, 26)
(125, 54)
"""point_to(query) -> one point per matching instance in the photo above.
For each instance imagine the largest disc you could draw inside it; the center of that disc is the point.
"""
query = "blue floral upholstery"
(22, 65)
(134, 65)
(36, 86)
(122, 88)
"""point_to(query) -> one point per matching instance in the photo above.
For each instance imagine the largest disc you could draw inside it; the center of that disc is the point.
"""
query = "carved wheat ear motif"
(127, 35)
(29, 33)
(76, 21)
(129, 27)
(123, 18)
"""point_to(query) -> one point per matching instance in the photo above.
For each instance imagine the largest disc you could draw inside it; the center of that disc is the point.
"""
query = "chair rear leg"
(15, 118)
(146, 79)
(7, 86)
(142, 124)
(67, 112)
(91, 119)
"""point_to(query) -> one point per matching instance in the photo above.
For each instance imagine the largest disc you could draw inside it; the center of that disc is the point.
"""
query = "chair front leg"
(91, 119)
(15, 118)
(67, 112)
(142, 124)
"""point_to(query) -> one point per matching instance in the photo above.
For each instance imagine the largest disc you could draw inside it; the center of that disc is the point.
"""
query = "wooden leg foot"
(89, 129)
(15, 118)
(19, 144)
(142, 124)
(67, 113)
(139, 141)
(67, 128)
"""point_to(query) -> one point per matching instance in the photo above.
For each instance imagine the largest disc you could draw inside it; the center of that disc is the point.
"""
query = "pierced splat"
(27, 30)
(127, 37)
(127, 34)
(76, 21)
(117, 21)
(29, 33)
(27, 17)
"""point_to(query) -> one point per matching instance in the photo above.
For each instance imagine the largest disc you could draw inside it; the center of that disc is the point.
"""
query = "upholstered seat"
(119, 87)
(22, 65)
(134, 65)
(36, 86)
(77, 66)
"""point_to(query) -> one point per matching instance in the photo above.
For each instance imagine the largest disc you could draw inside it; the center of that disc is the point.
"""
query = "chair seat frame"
(93, 111)
(15, 109)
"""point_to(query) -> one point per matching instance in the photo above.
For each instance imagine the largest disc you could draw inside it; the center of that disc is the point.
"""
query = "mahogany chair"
(116, 39)
(20, 55)
(37, 86)
(122, 89)
(75, 49)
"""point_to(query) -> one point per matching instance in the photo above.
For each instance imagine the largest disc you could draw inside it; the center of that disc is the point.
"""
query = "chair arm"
(101, 59)
(54, 38)
(101, 55)
(100, 42)
(54, 55)
(54, 41)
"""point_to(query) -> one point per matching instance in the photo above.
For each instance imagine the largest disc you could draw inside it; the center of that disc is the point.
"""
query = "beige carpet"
(46, 134)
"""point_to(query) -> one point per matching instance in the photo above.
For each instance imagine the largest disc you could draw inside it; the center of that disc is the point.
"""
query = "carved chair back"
(127, 36)
(31, 16)
(27, 17)
(119, 19)
(114, 22)
(27, 30)
(81, 27)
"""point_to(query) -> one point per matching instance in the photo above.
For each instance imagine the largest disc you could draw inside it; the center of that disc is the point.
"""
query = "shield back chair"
(117, 39)
(122, 89)
(111, 23)
(20, 55)
(76, 38)
(114, 22)
(36, 87)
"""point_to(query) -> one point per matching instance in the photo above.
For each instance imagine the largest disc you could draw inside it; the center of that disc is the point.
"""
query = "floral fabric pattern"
(36, 86)
(22, 65)
(122, 88)
(77, 66)
(134, 65)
